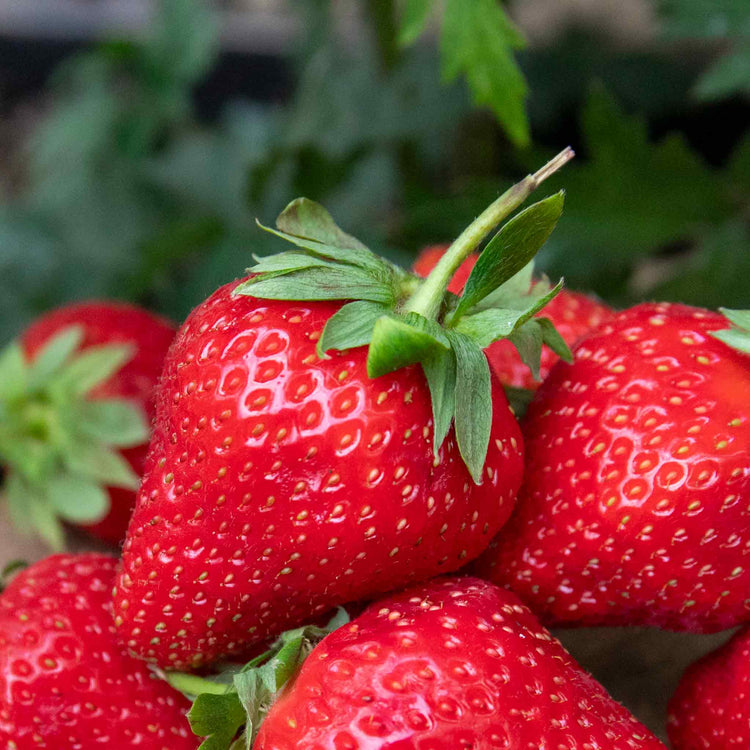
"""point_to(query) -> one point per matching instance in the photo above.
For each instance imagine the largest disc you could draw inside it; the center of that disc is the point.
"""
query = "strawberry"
(64, 682)
(572, 313)
(301, 458)
(76, 399)
(454, 663)
(710, 707)
(634, 509)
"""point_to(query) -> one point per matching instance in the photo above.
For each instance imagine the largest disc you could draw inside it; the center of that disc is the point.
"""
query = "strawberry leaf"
(77, 499)
(510, 250)
(440, 372)
(101, 464)
(738, 335)
(218, 718)
(115, 422)
(528, 340)
(12, 372)
(289, 261)
(519, 399)
(350, 327)
(554, 340)
(53, 356)
(91, 368)
(473, 418)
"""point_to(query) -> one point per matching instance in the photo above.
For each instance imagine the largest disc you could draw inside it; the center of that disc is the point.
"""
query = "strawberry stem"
(427, 300)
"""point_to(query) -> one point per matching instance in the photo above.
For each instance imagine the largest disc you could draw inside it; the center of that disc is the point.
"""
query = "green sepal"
(516, 287)
(398, 341)
(12, 372)
(30, 510)
(512, 248)
(440, 372)
(287, 262)
(738, 335)
(519, 399)
(528, 340)
(336, 282)
(473, 416)
(350, 327)
(96, 462)
(76, 499)
(115, 421)
(250, 689)
(53, 356)
(553, 339)
(90, 368)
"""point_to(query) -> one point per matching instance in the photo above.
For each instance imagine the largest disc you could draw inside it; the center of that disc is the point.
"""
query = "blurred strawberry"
(64, 682)
(76, 401)
(572, 313)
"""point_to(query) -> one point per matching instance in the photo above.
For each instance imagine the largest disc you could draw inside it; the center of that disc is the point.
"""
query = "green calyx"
(58, 447)
(738, 334)
(229, 708)
(405, 320)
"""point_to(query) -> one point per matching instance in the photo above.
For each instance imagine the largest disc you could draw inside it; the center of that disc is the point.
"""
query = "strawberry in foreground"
(634, 509)
(64, 681)
(454, 663)
(76, 400)
(710, 709)
(302, 459)
(572, 313)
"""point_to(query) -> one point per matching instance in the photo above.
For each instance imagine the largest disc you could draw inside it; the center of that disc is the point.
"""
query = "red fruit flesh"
(456, 663)
(279, 485)
(634, 508)
(573, 314)
(710, 710)
(64, 682)
(114, 323)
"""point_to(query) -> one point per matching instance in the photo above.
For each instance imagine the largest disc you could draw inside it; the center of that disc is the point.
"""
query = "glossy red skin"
(454, 663)
(114, 323)
(573, 314)
(710, 709)
(64, 681)
(634, 509)
(294, 484)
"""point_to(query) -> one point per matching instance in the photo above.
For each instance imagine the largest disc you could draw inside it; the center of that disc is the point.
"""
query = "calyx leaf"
(223, 703)
(738, 334)
(57, 443)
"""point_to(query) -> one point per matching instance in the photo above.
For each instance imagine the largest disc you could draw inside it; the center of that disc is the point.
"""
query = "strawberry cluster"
(343, 538)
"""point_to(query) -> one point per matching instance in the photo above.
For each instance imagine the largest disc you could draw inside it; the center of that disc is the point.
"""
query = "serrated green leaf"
(12, 372)
(528, 340)
(341, 282)
(478, 40)
(413, 19)
(100, 464)
(53, 355)
(510, 250)
(289, 261)
(473, 417)
(440, 373)
(553, 339)
(91, 368)
(116, 422)
(349, 327)
(519, 399)
(218, 718)
(397, 342)
(76, 499)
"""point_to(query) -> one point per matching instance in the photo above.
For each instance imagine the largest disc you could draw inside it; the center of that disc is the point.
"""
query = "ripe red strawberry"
(634, 508)
(572, 313)
(300, 458)
(64, 682)
(454, 663)
(104, 353)
(710, 708)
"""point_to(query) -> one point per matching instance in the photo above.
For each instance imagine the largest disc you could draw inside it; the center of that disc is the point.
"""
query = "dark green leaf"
(728, 76)
(553, 339)
(510, 250)
(440, 372)
(399, 341)
(517, 286)
(217, 718)
(350, 327)
(12, 372)
(478, 39)
(519, 399)
(114, 422)
(55, 353)
(528, 340)
(102, 465)
(473, 418)
(413, 20)
(91, 368)
(76, 499)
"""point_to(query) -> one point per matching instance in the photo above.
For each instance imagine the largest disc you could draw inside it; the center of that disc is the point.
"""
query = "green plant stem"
(428, 298)
(193, 685)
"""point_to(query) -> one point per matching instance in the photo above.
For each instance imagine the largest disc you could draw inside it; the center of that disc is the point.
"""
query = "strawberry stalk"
(236, 701)
(405, 320)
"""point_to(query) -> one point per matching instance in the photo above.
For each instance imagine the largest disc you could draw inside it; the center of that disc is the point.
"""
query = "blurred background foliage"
(137, 171)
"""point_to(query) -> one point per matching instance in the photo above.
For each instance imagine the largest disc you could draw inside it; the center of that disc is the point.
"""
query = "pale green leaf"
(116, 422)
(217, 718)
(289, 261)
(76, 499)
(440, 373)
(12, 372)
(349, 327)
(473, 417)
(53, 355)
(91, 368)
(102, 465)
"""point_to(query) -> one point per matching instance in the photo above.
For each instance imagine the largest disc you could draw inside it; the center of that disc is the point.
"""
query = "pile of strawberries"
(343, 538)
